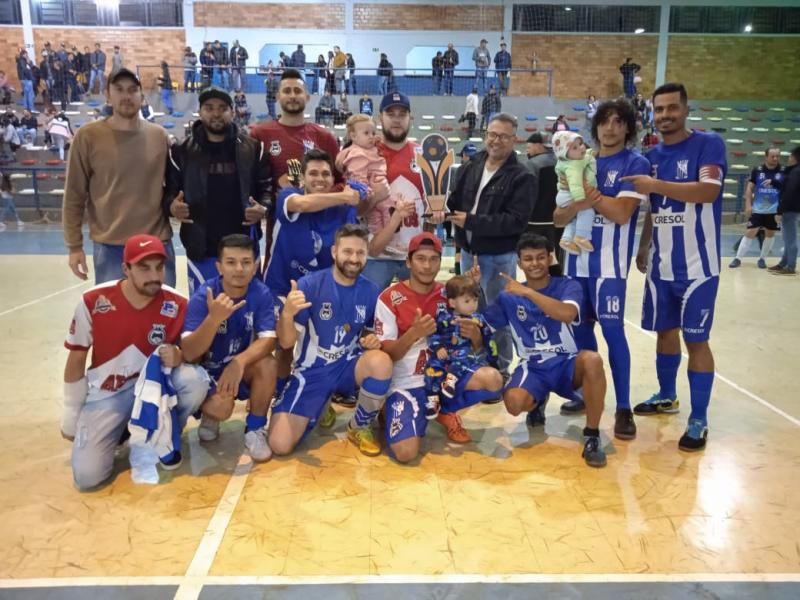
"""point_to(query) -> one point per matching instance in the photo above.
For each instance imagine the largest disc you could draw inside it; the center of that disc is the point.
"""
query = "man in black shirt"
(218, 183)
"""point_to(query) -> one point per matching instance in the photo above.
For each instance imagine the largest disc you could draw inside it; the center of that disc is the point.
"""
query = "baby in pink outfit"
(362, 161)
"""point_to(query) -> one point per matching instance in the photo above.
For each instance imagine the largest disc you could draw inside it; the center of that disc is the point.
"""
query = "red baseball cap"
(141, 246)
(426, 238)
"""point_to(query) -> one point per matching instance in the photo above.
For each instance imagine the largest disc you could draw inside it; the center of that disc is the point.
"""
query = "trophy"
(434, 163)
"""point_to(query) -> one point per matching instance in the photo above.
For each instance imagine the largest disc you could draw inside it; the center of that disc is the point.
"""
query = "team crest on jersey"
(326, 312)
(103, 305)
(308, 146)
(317, 242)
(396, 297)
(682, 171)
(521, 314)
(169, 309)
(275, 147)
(611, 178)
(223, 327)
(248, 321)
(157, 335)
(233, 347)
(361, 313)
(72, 327)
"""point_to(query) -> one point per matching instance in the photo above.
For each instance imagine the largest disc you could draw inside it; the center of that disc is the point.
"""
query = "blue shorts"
(308, 389)
(603, 300)
(540, 378)
(685, 304)
(405, 415)
(242, 394)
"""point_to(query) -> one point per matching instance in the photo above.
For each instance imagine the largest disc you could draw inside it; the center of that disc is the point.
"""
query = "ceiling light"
(567, 8)
(639, 30)
(748, 28)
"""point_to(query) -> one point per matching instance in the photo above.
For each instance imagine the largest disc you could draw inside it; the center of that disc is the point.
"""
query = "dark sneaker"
(173, 463)
(624, 426)
(573, 407)
(537, 416)
(342, 400)
(735, 263)
(784, 271)
(592, 452)
(657, 405)
(762, 264)
(774, 268)
(694, 439)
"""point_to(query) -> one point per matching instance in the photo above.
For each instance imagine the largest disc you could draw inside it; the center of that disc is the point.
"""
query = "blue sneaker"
(592, 452)
(694, 439)
(657, 405)
(762, 264)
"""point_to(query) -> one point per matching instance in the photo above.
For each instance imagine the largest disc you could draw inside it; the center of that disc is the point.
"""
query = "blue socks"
(619, 357)
(700, 389)
(584, 336)
(370, 400)
(255, 423)
(667, 371)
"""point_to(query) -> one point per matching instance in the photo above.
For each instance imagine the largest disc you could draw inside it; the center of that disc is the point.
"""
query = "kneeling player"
(230, 330)
(123, 322)
(325, 319)
(541, 313)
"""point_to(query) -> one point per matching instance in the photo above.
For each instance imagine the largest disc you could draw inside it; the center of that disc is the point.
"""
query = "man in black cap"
(115, 174)
(218, 183)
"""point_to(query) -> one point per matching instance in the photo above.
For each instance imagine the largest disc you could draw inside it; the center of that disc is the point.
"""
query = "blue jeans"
(480, 79)
(383, 85)
(27, 94)
(239, 78)
(271, 109)
(96, 74)
(789, 230)
(381, 271)
(166, 100)
(188, 80)
(108, 263)
(224, 77)
(448, 81)
(491, 266)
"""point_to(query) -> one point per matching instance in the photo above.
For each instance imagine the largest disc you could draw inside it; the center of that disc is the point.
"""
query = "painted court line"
(730, 382)
(278, 580)
(43, 298)
(192, 583)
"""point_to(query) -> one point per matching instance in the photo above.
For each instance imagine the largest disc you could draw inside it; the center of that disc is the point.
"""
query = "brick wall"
(138, 46)
(735, 67)
(272, 16)
(582, 64)
(428, 17)
(11, 40)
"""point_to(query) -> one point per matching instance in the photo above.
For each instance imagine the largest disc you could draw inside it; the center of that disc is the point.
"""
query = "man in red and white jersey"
(122, 322)
(404, 317)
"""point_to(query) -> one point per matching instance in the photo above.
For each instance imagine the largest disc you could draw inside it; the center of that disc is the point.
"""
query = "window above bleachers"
(585, 18)
(10, 12)
(734, 19)
(107, 13)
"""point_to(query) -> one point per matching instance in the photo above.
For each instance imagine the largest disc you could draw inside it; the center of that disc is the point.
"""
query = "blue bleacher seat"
(262, 116)
(177, 115)
(531, 118)
(168, 125)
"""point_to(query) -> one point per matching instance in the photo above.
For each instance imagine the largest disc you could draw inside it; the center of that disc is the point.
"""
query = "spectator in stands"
(165, 83)
(319, 74)
(271, 84)
(86, 68)
(340, 69)
(467, 152)
(46, 77)
(299, 59)
(365, 105)
(10, 139)
(591, 109)
(9, 207)
(541, 164)
(650, 139)
(629, 70)
(72, 71)
(482, 59)
(437, 72)
(326, 109)
(79, 64)
(221, 65)
(207, 62)
(789, 211)
(242, 110)
(450, 64)
(560, 124)
(59, 87)
(25, 75)
(60, 132)
(218, 183)
(61, 53)
(502, 64)
(351, 75)
(385, 72)
(238, 59)
(12, 116)
(471, 111)
(29, 126)
(116, 62)
(189, 69)
(284, 62)
(343, 113)
(490, 208)
(640, 104)
(5, 89)
(115, 175)
(490, 105)
(98, 64)
(145, 111)
(330, 74)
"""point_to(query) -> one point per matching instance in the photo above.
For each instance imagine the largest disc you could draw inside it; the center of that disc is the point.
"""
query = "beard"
(150, 288)
(300, 109)
(349, 269)
(395, 139)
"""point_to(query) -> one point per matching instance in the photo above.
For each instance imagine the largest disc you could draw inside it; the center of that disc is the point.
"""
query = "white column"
(663, 43)
(27, 28)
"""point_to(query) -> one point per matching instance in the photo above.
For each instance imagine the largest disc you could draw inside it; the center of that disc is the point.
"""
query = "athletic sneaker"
(449, 385)
(735, 263)
(536, 416)
(432, 405)
(762, 264)
(694, 438)
(657, 405)
(364, 439)
(592, 452)
(455, 429)
(784, 271)
(573, 407)
(255, 442)
(20, 226)
(341, 399)
(328, 418)
(208, 430)
(624, 425)
(173, 463)
(774, 268)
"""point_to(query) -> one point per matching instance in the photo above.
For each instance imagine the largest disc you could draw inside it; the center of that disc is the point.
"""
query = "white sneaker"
(257, 446)
(208, 430)
(20, 225)
(2, 226)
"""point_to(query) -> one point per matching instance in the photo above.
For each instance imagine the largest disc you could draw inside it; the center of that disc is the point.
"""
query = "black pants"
(471, 117)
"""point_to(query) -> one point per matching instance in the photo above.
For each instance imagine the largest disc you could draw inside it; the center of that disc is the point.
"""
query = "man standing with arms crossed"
(603, 273)
(683, 238)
